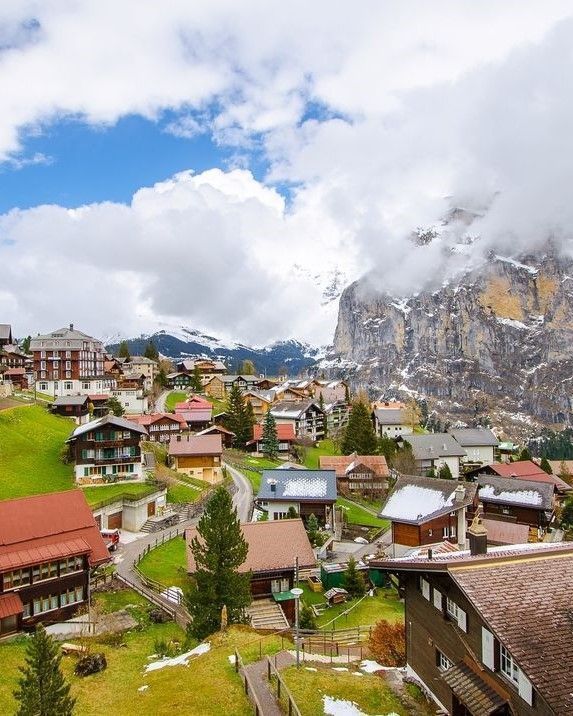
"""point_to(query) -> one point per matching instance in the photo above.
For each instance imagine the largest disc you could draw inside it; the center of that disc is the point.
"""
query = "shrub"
(388, 643)
(90, 664)
(306, 618)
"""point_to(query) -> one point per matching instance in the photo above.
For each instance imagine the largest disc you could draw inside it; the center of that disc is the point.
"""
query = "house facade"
(433, 451)
(391, 422)
(426, 511)
(285, 435)
(48, 545)
(219, 386)
(129, 512)
(143, 366)
(472, 652)
(107, 450)
(65, 360)
(307, 491)
(479, 443)
(72, 406)
(160, 426)
(198, 456)
(306, 417)
(366, 474)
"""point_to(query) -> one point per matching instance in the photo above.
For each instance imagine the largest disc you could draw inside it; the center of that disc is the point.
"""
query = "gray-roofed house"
(391, 422)
(433, 451)
(479, 444)
(5, 335)
(518, 501)
(72, 406)
(107, 450)
(308, 491)
(306, 416)
(426, 511)
(488, 632)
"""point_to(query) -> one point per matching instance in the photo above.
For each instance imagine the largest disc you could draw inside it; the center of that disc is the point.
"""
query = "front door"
(151, 508)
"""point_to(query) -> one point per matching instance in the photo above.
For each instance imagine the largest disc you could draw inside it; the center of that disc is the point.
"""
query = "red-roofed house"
(285, 435)
(198, 456)
(358, 473)
(48, 544)
(160, 426)
(523, 470)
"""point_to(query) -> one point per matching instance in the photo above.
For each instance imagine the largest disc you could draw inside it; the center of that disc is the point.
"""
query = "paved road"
(243, 497)
(160, 402)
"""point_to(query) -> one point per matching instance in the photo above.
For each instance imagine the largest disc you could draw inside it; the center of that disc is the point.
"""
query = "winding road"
(160, 402)
(243, 497)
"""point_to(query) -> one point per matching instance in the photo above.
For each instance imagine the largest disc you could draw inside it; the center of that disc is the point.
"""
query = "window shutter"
(438, 602)
(525, 688)
(426, 589)
(488, 648)
(462, 620)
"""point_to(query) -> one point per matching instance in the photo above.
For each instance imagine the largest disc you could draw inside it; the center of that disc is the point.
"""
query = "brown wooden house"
(198, 456)
(227, 436)
(273, 550)
(72, 406)
(160, 426)
(479, 636)
(48, 545)
(427, 510)
(358, 473)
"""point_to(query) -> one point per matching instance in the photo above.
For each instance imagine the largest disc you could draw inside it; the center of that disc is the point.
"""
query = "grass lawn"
(208, 687)
(356, 515)
(29, 394)
(107, 602)
(166, 564)
(249, 466)
(325, 447)
(370, 693)
(219, 406)
(173, 398)
(383, 605)
(109, 493)
(31, 441)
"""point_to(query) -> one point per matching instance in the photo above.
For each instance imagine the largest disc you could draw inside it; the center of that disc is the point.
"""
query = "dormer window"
(507, 665)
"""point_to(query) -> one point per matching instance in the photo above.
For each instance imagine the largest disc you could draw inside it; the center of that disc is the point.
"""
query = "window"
(72, 596)
(45, 604)
(68, 386)
(442, 661)
(85, 386)
(72, 564)
(425, 588)
(41, 572)
(507, 665)
(449, 532)
(452, 609)
(27, 610)
(17, 578)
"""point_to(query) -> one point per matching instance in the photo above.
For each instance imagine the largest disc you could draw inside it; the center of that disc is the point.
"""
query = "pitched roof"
(474, 437)
(502, 532)
(197, 416)
(471, 689)
(520, 468)
(293, 409)
(15, 371)
(415, 500)
(151, 418)
(232, 378)
(194, 403)
(109, 419)
(52, 522)
(216, 429)
(434, 445)
(10, 605)
(539, 640)
(70, 400)
(390, 416)
(272, 545)
(285, 431)
(343, 464)
(298, 485)
(5, 332)
(195, 445)
(509, 491)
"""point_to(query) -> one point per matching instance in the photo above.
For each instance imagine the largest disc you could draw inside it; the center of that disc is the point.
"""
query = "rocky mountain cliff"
(498, 341)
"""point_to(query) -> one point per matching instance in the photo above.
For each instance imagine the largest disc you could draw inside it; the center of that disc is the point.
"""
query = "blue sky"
(86, 164)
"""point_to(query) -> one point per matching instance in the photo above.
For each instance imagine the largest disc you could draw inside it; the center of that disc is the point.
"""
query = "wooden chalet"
(219, 386)
(425, 511)
(48, 545)
(273, 550)
(479, 637)
(523, 470)
(358, 473)
(18, 377)
(198, 456)
(72, 406)
(306, 417)
(308, 491)
(107, 450)
(227, 436)
(160, 426)
(285, 435)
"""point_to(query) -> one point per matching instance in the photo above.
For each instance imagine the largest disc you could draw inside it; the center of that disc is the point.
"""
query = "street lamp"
(296, 592)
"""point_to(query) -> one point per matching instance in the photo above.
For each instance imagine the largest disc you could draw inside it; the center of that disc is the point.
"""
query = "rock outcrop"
(498, 341)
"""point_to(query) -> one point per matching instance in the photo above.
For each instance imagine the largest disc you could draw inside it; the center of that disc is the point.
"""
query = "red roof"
(153, 418)
(10, 605)
(15, 371)
(44, 553)
(285, 431)
(54, 523)
(521, 468)
(196, 445)
(343, 464)
(194, 403)
(94, 398)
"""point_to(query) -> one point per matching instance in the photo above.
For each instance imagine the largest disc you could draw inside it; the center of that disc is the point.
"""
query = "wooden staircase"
(267, 614)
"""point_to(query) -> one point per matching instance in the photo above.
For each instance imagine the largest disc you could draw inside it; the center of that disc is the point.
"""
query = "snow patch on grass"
(181, 660)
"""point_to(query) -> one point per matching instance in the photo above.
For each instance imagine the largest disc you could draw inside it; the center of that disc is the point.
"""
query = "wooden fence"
(283, 691)
(248, 686)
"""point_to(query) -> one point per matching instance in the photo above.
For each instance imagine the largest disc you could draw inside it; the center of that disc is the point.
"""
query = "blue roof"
(298, 485)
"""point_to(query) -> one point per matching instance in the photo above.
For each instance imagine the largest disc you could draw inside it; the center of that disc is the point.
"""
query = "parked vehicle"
(111, 538)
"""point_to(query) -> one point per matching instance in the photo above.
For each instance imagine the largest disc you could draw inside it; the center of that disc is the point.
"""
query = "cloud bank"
(379, 118)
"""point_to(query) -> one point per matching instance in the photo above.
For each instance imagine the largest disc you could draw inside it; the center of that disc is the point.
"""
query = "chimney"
(477, 534)
(71, 326)
(459, 493)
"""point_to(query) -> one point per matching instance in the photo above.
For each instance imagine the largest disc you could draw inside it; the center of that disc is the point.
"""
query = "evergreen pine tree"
(359, 435)
(123, 351)
(353, 580)
(386, 447)
(250, 419)
(196, 384)
(292, 513)
(218, 552)
(312, 528)
(545, 466)
(114, 406)
(151, 351)
(445, 473)
(26, 344)
(238, 421)
(270, 441)
(525, 454)
(306, 618)
(43, 691)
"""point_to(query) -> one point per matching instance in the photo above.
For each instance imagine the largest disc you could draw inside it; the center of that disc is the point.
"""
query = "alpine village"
(180, 537)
